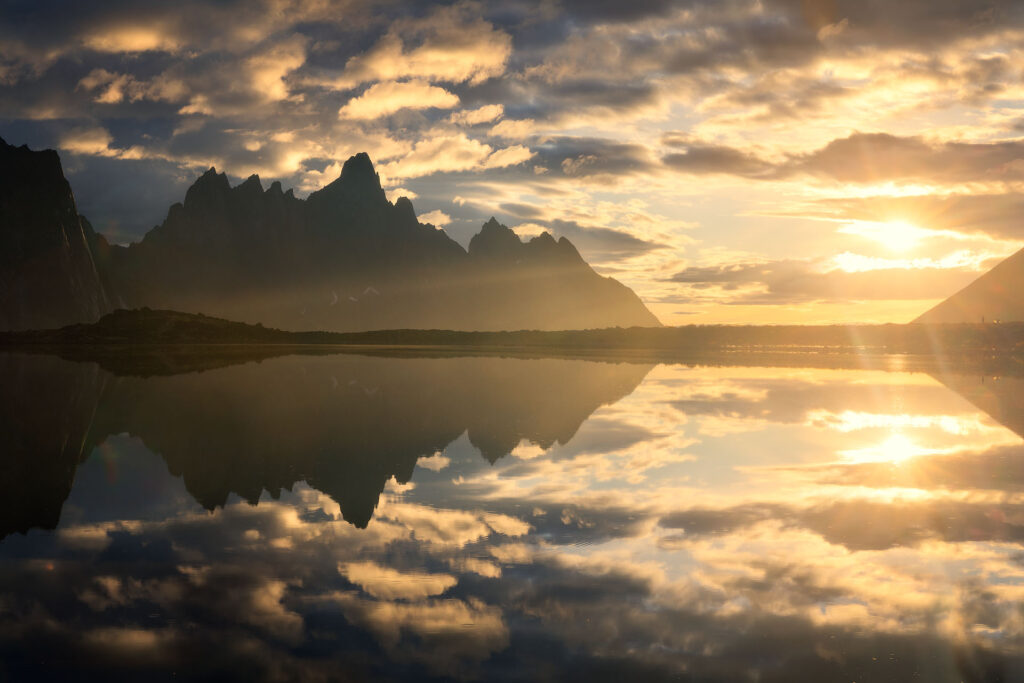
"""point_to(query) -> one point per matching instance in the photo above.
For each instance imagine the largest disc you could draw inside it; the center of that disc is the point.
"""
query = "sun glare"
(897, 235)
(896, 449)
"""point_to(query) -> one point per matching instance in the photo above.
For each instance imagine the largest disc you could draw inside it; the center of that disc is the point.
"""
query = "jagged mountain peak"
(359, 166)
(405, 210)
(206, 186)
(498, 240)
(494, 240)
(252, 186)
(358, 181)
(545, 247)
(358, 175)
(493, 225)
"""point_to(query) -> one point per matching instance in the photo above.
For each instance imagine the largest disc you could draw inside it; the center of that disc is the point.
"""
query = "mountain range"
(343, 259)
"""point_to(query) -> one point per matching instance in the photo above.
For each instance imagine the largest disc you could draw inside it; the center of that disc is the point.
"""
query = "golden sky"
(731, 160)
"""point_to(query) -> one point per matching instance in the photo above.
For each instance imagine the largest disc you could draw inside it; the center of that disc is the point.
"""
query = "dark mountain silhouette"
(995, 296)
(47, 274)
(343, 259)
(345, 424)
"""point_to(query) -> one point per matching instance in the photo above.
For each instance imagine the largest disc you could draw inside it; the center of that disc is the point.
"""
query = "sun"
(896, 235)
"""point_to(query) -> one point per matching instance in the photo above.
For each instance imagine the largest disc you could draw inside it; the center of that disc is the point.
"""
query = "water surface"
(347, 517)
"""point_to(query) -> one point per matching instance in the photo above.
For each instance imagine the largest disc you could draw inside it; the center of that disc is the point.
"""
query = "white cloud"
(131, 39)
(513, 129)
(452, 47)
(509, 156)
(386, 98)
(452, 153)
(93, 141)
(439, 154)
(267, 70)
(472, 117)
(394, 193)
(113, 88)
(438, 218)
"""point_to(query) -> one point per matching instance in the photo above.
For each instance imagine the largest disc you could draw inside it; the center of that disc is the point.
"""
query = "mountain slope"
(47, 274)
(995, 296)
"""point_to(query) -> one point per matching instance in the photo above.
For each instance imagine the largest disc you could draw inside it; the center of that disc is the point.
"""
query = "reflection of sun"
(895, 449)
(896, 235)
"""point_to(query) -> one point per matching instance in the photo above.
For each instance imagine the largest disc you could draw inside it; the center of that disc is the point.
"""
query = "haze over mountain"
(344, 259)
(995, 296)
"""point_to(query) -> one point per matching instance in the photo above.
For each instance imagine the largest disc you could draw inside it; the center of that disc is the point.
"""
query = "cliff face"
(47, 274)
(344, 259)
(994, 296)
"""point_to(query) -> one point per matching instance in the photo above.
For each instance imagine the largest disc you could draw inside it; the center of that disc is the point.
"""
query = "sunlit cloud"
(389, 97)
(473, 117)
(437, 217)
(454, 46)
(132, 39)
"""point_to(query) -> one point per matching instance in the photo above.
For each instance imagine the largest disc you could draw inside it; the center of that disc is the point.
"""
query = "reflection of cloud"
(129, 643)
(436, 462)
(450, 633)
(762, 557)
(452, 528)
(388, 584)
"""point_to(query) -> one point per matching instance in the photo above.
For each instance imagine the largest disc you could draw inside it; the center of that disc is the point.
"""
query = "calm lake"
(357, 517)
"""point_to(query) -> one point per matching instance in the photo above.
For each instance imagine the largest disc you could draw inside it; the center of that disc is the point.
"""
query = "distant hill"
(344, 259)
(121, 338)
(998, 295)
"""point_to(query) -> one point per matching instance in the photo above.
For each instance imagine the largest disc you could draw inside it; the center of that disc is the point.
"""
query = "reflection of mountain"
(1001, 397)
(46, 405)
(992, 297)
(344, 424)
(345, 258)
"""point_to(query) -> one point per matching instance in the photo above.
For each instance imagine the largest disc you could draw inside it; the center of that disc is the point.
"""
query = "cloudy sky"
(731, 160)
